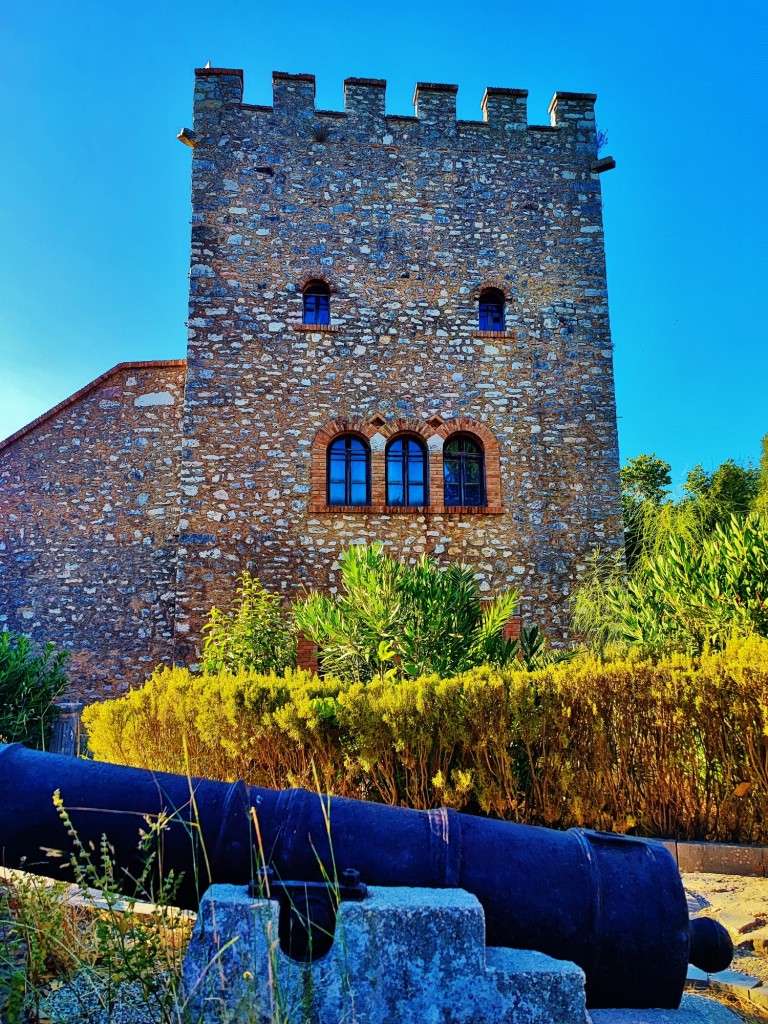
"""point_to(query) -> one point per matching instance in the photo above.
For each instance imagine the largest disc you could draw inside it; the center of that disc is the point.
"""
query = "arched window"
(464, 471)
(349, 471)
(406, 472)
(317, 303)
(491, 310)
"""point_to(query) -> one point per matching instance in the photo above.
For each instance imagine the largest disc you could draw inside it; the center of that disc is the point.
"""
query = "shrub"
(30, 683)
(402, 619)
(687, 596)
(658, 749)
(252, 635)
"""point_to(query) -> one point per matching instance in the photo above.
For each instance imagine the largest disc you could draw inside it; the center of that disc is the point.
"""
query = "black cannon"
(613, 904)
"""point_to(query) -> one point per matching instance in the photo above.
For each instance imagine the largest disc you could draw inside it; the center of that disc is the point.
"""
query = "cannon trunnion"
(612, 904)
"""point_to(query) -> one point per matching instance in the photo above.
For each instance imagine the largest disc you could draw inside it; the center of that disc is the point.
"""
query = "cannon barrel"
(613, 904)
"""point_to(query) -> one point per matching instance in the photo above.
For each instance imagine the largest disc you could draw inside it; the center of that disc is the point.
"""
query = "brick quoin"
(306, 654)
(513, 627)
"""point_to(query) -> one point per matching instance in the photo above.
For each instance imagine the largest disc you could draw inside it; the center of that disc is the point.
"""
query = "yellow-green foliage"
(656, 748)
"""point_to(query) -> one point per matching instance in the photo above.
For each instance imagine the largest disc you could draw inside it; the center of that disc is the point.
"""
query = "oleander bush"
(692, 589)
(675, 747)
(30, 683)
(393, 619)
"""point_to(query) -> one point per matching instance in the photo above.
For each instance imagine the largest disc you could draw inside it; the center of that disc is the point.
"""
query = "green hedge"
(657, 749)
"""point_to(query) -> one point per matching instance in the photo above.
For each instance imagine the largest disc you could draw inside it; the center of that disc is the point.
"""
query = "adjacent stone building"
(398, 331)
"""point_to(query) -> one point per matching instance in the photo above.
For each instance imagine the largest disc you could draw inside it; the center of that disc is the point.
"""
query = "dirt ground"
(741, 904)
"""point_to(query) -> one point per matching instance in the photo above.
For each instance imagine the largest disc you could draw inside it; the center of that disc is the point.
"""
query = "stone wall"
(130, 508)
(406, 219)
(88, 523)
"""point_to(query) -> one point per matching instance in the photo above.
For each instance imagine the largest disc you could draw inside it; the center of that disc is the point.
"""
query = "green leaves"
(395, 620)
(29, 685)
(689, 596)
(253, 635)
(659, 747)
(646, 478)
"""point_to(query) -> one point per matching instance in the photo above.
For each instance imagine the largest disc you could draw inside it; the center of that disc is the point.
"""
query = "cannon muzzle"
(613, 904)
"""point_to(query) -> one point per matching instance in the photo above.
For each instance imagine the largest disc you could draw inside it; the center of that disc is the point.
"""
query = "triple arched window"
(406, 472)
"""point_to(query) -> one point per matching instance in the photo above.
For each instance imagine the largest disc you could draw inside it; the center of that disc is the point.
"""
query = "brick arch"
(407, 425)
(465, 425)
(323, 438)
(493, 282)
(317, 275)
(411, 427)
(331, 430)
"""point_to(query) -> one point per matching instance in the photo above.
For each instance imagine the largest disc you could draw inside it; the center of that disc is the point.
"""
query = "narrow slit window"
(491, 310)
(317, 303)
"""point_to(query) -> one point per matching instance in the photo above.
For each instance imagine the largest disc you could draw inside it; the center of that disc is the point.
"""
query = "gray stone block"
(759, 996)
(401, 955)
(721, 858)
(696, 977)
(693, 1010)
(734, 981)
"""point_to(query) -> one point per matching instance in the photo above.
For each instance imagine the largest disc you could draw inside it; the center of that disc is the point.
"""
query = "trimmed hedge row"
(673, 748)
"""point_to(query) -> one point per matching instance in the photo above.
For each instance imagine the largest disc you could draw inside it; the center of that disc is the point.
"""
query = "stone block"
(734, 981)
(401, 955)
(693, 1010)
(759, 996)
(721, 858)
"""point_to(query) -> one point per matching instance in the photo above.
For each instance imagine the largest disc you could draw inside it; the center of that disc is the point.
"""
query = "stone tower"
(398, 331)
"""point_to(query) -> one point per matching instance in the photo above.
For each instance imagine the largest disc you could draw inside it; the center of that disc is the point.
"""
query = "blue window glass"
(406, 472)
(491, 310)
(463, 472)
(349, 472)
(317, 303)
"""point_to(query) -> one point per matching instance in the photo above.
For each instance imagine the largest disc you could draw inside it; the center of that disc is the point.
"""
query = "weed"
(85, 950)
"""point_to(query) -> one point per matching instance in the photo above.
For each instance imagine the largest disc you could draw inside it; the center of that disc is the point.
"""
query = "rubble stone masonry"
(406, 220)
(88, 521)
(124, 517)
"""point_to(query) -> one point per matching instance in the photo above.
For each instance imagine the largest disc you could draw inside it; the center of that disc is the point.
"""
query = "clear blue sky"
(94, 218)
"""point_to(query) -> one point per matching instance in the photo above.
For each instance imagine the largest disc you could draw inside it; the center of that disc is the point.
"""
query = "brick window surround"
(377, 431)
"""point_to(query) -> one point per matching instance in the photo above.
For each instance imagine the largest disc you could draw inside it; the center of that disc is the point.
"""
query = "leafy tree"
(645, 481)
(730, 489)
(254, 634)
(688, 596)
(697, 483)
(646, 478)
(30, 683)
(650, 516)
(394, 619)
(760, 503)
(693, 573)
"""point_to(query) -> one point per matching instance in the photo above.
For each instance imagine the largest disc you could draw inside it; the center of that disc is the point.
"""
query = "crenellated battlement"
(504, 110)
